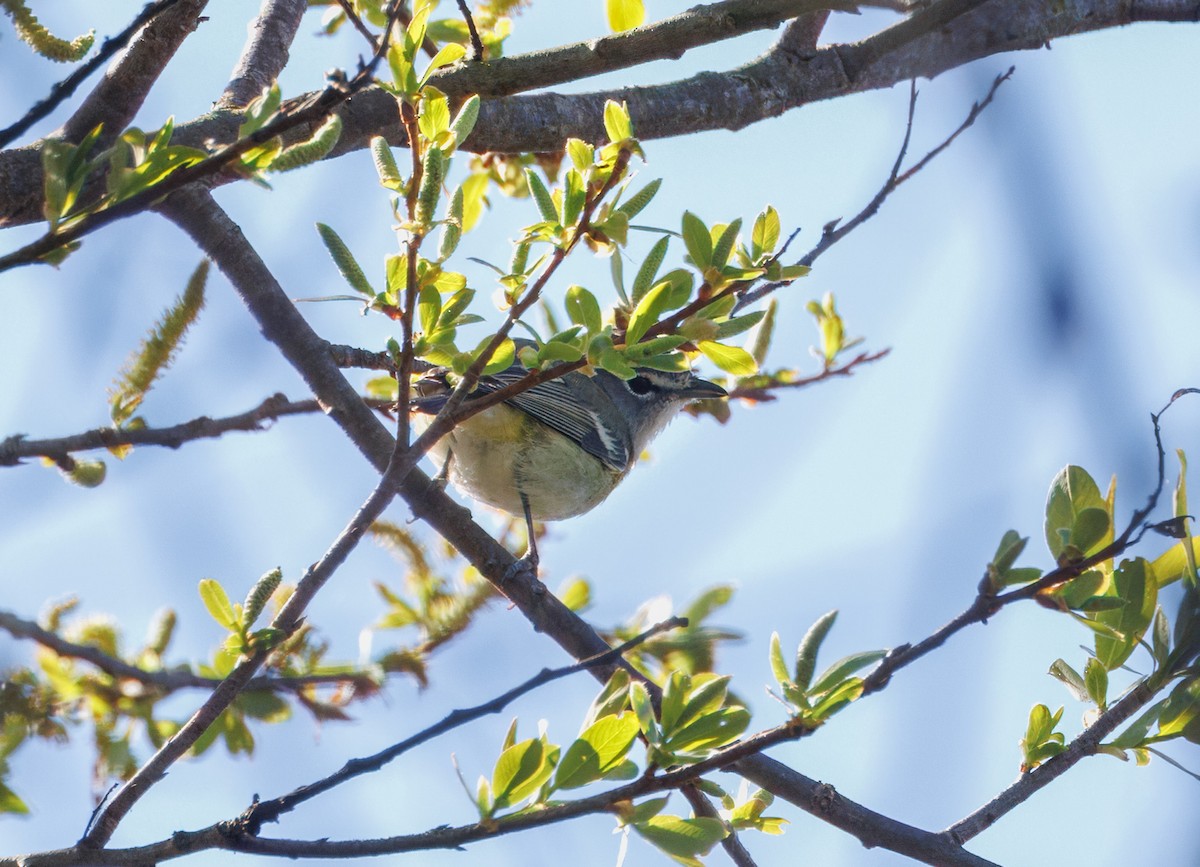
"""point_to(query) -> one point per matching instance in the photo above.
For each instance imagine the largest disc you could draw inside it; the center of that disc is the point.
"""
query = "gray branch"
(943, 36)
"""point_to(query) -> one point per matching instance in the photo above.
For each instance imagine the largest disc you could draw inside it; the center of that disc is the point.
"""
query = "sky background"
(1037, 286)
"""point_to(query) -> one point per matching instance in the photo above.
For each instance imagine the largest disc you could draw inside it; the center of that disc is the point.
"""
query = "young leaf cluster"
(1120, 603)
(813, 700)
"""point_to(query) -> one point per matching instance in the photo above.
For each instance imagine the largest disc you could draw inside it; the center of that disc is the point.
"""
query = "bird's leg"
(529, 560)
(443, 475)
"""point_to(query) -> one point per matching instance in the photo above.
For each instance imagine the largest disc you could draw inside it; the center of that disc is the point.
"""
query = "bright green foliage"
(749, 813)
(1001, 572)
(41, 40)
(134, 164)
(695, 718)
(813, 701)
(65, 168)
(833, 330)
(137, 162)
(1133, 585)
(683, 839)
(1078, 517)
(159, 348)
(237, 619)
(599, 753)
(1041, 741)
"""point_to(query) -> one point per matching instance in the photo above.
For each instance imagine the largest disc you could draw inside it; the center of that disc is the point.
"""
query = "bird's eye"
(640, 385)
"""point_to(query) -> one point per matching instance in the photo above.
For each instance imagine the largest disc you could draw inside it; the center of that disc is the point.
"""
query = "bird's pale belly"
(501, 453)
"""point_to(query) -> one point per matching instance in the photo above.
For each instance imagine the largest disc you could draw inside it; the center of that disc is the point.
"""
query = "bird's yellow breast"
(501, 453)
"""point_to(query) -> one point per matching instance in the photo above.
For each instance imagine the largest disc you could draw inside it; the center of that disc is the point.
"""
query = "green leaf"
(1063, 672)
(10, 802)
(778, 665)
(264, 705)
(1096, 679)
(600, 749)
(697, 240)
(429, 308)
(738, 324)
(806, 653)
(709, 731)
(673, 696)
(1133, 583)
(647, 312)
(765, 234)
(213, 595)
(624, 15)
(502, 358)
(832, 701)
(581, 153)
(583, 309)
(616, 121)
(683, 838)
(520, 771)
(844, 667)
(1071, 492)
(731, 359)
(723, 246)
(446, 55)
(573, 197)
(639, 700)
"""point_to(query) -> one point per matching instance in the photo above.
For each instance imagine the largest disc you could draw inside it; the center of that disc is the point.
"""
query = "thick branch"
(266, 51)
(781, 80)
(119, 95)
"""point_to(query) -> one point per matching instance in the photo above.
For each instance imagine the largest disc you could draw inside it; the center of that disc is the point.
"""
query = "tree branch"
(16, 447)
(166, 681)
(265, 53)
(260, 812)
(775, 83)
(119, 95)
(1086, 744)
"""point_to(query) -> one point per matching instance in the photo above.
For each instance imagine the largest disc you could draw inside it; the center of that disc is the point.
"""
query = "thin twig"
(17, 447)
(260, 812)
(1087, 743)
(167, 680)
(476, 43)
(352, 16)
(835, 230)
(763, 393)
(65, 88)
(986, 604)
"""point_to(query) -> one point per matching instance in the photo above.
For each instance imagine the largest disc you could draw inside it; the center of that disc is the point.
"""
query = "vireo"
(560, 448)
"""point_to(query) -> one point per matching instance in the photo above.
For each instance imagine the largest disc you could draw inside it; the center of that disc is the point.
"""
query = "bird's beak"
(699, 389)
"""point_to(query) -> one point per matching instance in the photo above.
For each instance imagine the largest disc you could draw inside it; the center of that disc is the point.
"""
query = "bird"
(558, 449)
